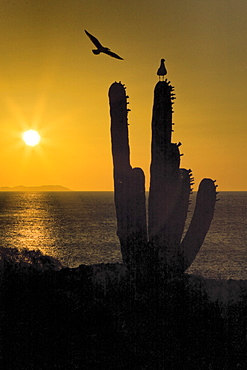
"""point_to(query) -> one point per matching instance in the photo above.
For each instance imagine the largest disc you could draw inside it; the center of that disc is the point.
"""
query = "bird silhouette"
(100, 48)
(162, 70)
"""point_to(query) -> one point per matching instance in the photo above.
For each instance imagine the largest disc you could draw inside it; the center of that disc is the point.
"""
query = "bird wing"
(94, 40)
(109, 52)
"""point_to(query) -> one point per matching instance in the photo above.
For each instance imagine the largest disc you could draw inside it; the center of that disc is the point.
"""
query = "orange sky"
(52, 82)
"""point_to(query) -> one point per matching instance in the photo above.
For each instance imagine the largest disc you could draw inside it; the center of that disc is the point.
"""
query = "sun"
(31, 137)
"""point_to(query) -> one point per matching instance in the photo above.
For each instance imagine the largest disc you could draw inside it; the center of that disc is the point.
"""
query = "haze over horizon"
(53, 83)
(52, 188)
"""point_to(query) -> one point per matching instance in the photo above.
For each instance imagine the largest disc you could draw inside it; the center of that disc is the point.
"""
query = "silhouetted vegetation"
(95, 317)
(156, 248)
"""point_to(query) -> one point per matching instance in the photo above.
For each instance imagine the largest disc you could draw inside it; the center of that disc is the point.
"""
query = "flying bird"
(162, 70)
(100, 48)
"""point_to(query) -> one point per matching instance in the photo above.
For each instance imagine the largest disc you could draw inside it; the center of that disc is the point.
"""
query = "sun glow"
(31, 137)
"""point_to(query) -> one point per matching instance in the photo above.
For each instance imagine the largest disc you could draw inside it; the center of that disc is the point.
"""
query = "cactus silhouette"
(160, 243)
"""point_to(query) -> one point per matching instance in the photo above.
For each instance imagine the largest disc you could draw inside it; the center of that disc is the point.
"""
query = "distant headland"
(35, 188)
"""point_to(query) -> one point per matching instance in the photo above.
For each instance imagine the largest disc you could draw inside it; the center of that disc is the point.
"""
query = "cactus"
(160, 243)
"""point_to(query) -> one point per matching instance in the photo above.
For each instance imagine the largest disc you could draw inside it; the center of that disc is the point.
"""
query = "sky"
(50, 81)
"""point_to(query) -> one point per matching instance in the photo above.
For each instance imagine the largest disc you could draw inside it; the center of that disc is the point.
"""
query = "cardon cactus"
(160, 243)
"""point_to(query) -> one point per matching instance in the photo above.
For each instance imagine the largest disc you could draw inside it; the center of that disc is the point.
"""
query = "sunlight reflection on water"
(80, 228)
(74, 227)
(223, 254)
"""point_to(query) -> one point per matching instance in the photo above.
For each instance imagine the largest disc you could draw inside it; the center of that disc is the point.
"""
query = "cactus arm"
(164, 169)
(176, 222)
(164, 181)
(119, 131)
(129, 188)
(121, 156)
(200, 223)
(134, 235)
(163, 196)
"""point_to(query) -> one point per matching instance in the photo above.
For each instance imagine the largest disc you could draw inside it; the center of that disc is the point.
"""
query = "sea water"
(80, 228)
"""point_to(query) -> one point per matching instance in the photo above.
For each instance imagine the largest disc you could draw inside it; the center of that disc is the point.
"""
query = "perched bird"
(162, 70)
(100, 48)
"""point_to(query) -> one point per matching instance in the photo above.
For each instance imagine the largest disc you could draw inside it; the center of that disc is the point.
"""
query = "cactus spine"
(170, 187)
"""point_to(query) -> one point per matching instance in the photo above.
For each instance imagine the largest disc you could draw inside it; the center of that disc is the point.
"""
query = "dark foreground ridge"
(98, 317)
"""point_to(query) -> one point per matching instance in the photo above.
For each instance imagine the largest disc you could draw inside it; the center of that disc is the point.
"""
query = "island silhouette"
(35, 188)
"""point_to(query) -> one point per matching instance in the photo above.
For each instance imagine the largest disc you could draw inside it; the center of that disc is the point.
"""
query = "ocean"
(80, 228)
